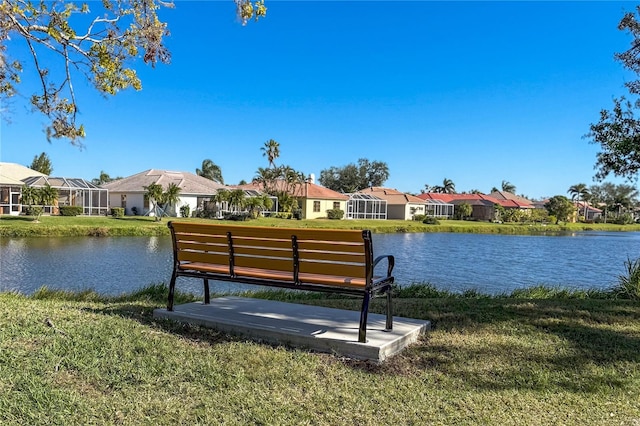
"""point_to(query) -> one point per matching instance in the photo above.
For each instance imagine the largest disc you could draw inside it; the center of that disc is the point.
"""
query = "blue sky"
(476, 92)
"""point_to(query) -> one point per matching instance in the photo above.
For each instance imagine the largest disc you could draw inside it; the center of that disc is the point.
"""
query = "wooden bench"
(326, 260)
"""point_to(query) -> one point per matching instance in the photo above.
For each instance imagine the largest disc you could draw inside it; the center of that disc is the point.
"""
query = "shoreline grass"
(81, 358)
(60, 226)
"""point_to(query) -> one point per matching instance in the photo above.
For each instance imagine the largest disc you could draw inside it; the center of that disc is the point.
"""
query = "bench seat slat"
(331, 246)
(205, 267)
(201, 257)
(261, 251)
(193, 246)
(266, 274)
(331, 257)
(346, 270)
(282, 243)
(264, 263)
(332, 280)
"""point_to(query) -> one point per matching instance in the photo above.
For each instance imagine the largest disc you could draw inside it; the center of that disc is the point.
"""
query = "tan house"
(313, 199)
(399, 205)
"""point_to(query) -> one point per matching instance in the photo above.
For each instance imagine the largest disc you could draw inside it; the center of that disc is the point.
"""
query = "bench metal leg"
(389, 324)
(206, 292)
(362, 332)
(172, 288)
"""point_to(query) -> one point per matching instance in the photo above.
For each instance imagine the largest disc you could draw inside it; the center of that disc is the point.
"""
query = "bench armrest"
(391, 261)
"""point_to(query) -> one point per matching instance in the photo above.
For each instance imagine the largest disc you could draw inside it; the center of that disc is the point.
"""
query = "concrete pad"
(303, 326)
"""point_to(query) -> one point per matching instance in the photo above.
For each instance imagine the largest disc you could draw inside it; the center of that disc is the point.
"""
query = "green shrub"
(624, 219)
(283, 215)
(629, 285)
(117, 211)
(33, 210)
(238, 216)
(134, 211)
(419, 217)
(185, 210)
(205, 213)
(430, 220)
(335, 214)
(70, 210)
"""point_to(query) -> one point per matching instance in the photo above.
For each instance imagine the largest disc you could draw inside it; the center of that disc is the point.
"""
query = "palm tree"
(104, 178)
(220, 198)
(267, 201)
(48, 196)
(171, 196)
(448, 187)
(154, 194)
(578, 193)
(255, 204)
(237, 198)
(508, 187)
(211, 171)
(271, 150)
(267, 178)
(29, 195)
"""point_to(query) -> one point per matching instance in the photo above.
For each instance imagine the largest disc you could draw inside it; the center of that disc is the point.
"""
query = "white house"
(11, 183)
(130, 192)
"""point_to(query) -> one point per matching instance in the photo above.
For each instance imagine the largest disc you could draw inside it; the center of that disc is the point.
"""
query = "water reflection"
(153, 244)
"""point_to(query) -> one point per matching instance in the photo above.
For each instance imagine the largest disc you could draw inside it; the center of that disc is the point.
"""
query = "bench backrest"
(345, 253)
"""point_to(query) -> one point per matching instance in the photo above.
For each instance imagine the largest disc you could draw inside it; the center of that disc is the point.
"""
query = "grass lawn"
(23, 226)
(83, 359)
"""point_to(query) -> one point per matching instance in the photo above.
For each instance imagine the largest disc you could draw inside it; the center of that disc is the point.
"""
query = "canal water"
(490, 264)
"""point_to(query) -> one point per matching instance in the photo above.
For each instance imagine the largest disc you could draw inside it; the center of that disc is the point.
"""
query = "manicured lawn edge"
(57, 226)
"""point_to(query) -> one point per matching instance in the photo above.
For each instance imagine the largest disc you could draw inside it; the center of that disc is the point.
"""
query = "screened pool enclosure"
(73, 192)
(365, 206)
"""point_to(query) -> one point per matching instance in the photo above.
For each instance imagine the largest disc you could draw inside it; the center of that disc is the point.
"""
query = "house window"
(316, 206)
(145, 203)
(123, 201)
(336, 205)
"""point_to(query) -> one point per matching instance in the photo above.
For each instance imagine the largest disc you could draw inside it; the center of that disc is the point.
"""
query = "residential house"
(438, 205)
(483, 206)
(314, 200)
(130, 192)
(399, 205)
(508, 196)
(11, 183)
(586, 211)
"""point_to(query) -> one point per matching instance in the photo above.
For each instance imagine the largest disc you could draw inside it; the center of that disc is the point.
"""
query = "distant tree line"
(354, 177)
